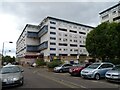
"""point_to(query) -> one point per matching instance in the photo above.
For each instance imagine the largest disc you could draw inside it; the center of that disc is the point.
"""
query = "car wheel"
(60, 70)
(21, 82)
(97, 77)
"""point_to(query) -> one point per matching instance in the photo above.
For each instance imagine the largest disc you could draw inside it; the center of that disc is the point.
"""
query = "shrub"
(40, 62)
(53, 63)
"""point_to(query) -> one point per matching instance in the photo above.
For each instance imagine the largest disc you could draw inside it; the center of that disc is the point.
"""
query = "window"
(52, 48)
(106, 66)
(62, 44)
(62, 29)
(105, 16)
(52, 43)
(53, 33)
(75, 40)
(60, 39)
(52, 38)
(62, 54)
(60, 49)
(52, 27)
(70, 49)
(64, 39)
(82, 33)
(75, 50)
(114, 12)
(70, 40)
(73, 31)
(73, 45)
(82, 45)
(51, 22)
(66, 35)
(52, 54)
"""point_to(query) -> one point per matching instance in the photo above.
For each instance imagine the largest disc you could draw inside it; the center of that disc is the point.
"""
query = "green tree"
(104, 41)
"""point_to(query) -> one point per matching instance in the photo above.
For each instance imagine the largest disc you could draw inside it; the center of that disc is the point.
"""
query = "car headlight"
(15, 79)
(4, 80)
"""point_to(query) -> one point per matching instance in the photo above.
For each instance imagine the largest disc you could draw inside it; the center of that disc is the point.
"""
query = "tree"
(8, 59)
(104, 41)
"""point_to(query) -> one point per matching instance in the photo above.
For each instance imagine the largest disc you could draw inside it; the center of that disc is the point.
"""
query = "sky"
(15, 14)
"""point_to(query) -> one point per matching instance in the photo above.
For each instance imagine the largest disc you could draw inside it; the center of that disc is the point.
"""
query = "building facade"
(52, 39)
(111, 14)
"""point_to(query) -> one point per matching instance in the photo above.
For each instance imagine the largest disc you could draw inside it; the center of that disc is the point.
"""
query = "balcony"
(32, 48)
(32, 34)
(43, 31)
(43, 46)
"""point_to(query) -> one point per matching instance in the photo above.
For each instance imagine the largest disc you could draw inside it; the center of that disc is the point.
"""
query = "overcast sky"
(15, 15)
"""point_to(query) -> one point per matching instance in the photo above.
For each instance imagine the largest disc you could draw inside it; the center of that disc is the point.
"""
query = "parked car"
(62, 68)
(96, 70)
(11, 75)
(76, 70)
(114, 74)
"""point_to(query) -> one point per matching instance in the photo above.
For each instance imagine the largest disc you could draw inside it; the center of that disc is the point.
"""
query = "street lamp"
(3, 51)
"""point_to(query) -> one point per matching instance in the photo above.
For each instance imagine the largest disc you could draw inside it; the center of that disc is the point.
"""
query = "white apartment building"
(53, 38)
(111, 14)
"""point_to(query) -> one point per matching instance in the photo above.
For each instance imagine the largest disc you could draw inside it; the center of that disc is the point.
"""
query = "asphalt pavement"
(42, 78)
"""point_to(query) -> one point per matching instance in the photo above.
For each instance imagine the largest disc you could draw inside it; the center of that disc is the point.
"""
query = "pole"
(2, 54)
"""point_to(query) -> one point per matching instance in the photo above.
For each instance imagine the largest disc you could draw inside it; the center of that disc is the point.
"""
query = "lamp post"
(3, 51)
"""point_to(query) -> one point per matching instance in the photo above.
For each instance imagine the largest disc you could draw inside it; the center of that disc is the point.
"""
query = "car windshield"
(5, 70)
(93, 66)
(117, 68)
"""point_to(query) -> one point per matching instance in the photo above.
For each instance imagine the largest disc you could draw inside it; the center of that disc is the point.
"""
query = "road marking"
(61, 81)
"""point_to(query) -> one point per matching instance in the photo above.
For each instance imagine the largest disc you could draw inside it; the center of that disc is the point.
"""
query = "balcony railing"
(32, 48)
(43, 30)
(43, 46)
(32, 34)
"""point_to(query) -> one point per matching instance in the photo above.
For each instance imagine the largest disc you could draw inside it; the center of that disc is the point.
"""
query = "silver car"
(62, 68)
(11, 75)
(113, 75)
(96, 70)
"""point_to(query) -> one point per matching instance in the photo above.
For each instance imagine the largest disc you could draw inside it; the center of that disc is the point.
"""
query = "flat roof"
(27, 25)
(110, 8)
(69, 22)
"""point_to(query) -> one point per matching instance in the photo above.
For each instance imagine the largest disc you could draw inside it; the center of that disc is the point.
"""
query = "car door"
(104, 68)
(66, 67)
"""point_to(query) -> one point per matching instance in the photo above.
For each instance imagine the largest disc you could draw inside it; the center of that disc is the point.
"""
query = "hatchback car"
(113, 75)
(96, 70)
(11, 75)
(62, 68)
(76, 70)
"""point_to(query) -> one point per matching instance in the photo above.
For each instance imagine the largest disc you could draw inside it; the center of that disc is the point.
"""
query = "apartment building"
(53, 38)
(111, 14)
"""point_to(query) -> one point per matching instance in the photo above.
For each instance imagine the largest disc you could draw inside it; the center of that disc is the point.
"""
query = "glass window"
(52, 48)
(93, 66)
(51, 22)
(53, 33)
(52, 27)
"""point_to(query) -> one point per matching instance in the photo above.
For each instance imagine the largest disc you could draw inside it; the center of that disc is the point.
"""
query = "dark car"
(76, 70)
(11, 75)
(62, 68)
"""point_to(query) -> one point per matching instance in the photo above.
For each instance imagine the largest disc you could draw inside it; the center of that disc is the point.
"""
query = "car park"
(11, 75)
(97, 70)
(76, 70)
(62, 68)
(114, 74)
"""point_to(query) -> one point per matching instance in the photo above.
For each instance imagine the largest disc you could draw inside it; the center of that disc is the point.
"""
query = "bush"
(54, 63)
(40, 62)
